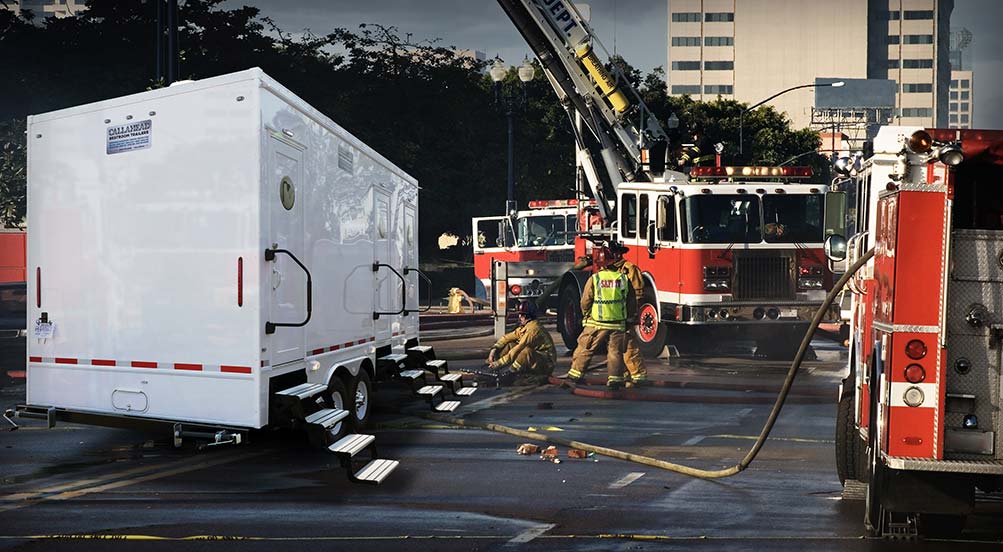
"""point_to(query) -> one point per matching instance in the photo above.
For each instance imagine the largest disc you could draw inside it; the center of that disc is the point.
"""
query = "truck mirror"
(652, 245)
(835, 247)
(835, 213)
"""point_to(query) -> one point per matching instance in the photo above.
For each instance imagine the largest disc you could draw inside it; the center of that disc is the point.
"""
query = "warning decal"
(129, 137)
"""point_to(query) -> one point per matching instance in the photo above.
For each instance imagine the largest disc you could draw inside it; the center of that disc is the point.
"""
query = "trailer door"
(387, 285)
(287, 281)
(410, 240)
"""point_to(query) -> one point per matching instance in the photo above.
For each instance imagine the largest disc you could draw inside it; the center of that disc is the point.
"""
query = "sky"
(636, 29)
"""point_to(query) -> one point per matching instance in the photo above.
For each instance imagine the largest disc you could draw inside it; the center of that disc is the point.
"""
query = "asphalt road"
(467, 489)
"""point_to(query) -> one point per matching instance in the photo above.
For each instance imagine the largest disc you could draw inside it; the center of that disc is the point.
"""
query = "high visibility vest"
(609, 304)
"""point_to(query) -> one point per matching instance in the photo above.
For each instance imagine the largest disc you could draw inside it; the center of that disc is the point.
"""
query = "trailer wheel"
(335, 397)
(361, 395)
(846, 439)
(651, 331)
(569, 315)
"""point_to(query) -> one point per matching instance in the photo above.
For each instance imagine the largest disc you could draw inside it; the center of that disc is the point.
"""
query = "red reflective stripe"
(100, 362)
(35, 359)
(181, 366)
(143, 364)
(262, 364)
(66, 361)
(240, 281)
(335, 347)
(316, 351)
(235, 369)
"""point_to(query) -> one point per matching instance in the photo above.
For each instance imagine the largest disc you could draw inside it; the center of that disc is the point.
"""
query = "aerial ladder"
(619, 140)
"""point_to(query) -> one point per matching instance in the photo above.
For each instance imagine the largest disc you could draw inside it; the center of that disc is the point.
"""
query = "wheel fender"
(345, 369)
(649, 286)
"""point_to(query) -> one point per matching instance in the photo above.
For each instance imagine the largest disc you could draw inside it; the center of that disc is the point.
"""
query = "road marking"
(626, 480)
(790, 439)
(693, 441)
(531, 533)
(124, 483)
(744, 412)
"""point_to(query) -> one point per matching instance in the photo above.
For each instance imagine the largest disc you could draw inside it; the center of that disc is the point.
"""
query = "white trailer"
(220, 256)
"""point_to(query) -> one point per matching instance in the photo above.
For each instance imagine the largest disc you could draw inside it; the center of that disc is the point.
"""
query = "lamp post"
(511, 102)
(741, 114)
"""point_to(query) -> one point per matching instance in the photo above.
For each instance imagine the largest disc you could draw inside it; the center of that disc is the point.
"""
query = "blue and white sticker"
(129, 137)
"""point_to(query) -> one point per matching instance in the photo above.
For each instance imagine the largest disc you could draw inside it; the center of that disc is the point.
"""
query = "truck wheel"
(335, 397)
(362, 396)
(846, 439)
(569, 315)
(650, 330)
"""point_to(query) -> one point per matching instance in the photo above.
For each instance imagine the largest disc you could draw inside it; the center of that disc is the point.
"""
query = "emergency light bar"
(767, 172)
(552, 203)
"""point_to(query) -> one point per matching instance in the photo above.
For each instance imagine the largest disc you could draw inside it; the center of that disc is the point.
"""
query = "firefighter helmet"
(527, 308)
(618, 249)
(602, 257)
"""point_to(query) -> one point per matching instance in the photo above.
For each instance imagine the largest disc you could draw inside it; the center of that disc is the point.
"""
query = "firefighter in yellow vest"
(632, 357)
(529, 349)
(607, 303)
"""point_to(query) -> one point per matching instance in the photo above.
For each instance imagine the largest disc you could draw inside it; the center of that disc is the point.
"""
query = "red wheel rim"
(647, 326)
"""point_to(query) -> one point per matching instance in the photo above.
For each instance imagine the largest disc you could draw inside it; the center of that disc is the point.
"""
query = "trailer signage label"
(129, 137)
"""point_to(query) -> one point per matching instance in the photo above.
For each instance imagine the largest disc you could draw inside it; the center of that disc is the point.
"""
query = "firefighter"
(528, 349)
(607, 303)
(697, 152)
(632, 357)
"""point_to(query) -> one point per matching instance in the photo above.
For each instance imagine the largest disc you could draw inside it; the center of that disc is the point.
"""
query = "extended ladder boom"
(613, 149)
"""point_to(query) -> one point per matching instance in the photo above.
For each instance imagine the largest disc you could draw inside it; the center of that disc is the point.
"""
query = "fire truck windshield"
(722, 218)
(792, 218)
(543, 230)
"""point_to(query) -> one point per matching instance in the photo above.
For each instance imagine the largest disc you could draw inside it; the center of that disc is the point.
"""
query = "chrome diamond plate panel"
(954, 466)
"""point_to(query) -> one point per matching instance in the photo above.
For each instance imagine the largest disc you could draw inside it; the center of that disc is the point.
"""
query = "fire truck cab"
(919, 421)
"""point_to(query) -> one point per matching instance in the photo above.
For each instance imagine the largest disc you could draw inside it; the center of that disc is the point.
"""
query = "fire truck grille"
(758, 277)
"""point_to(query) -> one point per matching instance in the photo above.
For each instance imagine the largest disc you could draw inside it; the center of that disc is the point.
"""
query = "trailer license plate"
(788, 313)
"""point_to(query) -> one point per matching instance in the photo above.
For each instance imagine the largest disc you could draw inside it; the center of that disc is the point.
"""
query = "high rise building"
(748, 50)
(49, 8)
(961, 101)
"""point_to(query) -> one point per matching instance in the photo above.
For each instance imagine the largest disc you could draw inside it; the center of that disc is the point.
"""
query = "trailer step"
(436, 365)
(412, 374)
(430, 391)
(451, 377)
(447, 406)
(302, 391)
(375, 471)
(465, 391)
(350, 445)
(327, 417)
(394, 358)
(420, 349)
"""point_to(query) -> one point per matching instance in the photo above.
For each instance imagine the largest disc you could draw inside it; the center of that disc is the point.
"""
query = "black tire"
(650, 331)
(846, 437)
(569, 315)
(361, 404)
(336, 396)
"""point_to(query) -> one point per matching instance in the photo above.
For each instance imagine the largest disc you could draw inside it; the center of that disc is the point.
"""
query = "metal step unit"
(454, 380)
(374, 472)
(294, 398)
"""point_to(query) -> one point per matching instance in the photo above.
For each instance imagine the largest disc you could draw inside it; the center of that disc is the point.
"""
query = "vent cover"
(345, 158)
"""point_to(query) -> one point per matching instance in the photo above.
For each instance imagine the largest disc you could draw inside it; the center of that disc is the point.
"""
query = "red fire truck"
(919, 422)
(538, 244)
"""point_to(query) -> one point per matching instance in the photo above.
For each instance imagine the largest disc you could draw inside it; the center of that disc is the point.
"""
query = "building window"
(685, 65)
(718, 89)
(686, 41)
(686, 17)
(893, 39)
(918, 14)
(965, 106)
(893, 64)
(893, 16)
(965, 94)
(953, 106)
(917, 112)
(917, 64)
(718, 41)
(917, 39)
(686, 89)
(954, 84)
(954, 119)
(917, 87)
(718, 65)
(954, 94)
(965, 83)
(719, 17)
(964, 118)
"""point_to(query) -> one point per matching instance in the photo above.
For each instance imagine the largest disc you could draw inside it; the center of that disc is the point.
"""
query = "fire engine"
(723, 250)
(538, 244)
(919, 420)
(215, 257)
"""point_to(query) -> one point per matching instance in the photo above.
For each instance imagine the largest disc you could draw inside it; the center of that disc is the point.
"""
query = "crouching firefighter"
(528, 349)
(607, 302)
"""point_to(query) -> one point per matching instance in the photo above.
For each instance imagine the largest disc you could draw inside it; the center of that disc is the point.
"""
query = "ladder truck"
(919, 423)
(724, 250)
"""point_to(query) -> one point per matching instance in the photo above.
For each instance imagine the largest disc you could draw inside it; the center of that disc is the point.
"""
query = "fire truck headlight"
(913, 396)
(810, 283)
(951, 155)
(715, 285)
(971, 421)
(920, 142)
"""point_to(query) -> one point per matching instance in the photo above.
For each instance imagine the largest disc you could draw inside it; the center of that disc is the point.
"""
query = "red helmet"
(602, 257)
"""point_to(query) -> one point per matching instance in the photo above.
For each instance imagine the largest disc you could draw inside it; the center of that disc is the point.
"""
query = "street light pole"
(511, 102)
(741, 114)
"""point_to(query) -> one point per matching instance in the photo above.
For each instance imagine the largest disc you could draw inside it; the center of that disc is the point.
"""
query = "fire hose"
(670, 466)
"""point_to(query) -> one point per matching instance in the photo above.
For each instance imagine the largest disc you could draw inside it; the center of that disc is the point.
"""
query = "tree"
(13, 184)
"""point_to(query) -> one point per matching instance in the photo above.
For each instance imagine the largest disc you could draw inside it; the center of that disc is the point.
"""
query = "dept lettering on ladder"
(558, 15)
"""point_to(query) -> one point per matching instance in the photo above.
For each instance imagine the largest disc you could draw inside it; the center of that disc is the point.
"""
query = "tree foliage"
(430, 112)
